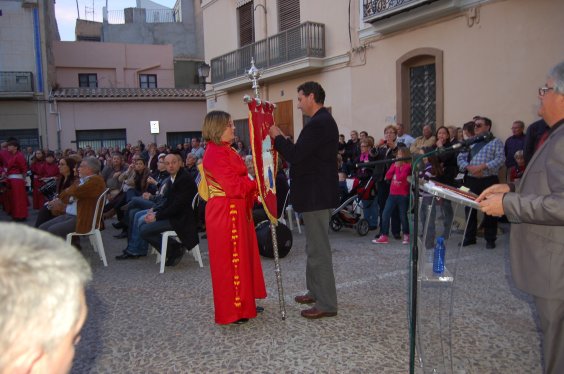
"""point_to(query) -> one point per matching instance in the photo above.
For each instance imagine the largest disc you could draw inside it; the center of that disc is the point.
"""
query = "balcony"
(389, 16)
(300, 43)
(374, 10)
(15, 84)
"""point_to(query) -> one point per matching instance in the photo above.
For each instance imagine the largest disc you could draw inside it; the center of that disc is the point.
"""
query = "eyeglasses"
(544, 90)
(478, 126)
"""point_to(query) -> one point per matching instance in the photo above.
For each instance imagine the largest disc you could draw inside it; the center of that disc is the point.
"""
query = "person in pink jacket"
(399, 196)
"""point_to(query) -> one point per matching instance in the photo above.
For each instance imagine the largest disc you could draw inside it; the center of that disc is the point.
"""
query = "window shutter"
(288, 14)
(246, 24)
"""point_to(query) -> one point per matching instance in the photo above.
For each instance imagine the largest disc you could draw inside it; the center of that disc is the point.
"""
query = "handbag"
(49, 189)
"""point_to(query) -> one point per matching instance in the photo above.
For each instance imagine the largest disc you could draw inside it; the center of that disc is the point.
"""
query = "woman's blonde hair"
(391, 127)
(214, 125)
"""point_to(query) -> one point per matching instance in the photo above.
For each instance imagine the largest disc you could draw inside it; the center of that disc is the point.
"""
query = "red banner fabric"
(265, 158)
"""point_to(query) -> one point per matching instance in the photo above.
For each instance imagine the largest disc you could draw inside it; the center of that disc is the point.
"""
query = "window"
(175, 138)
(101, 138)
(147, 80)
(26, 138)
(420, 101)
(288, 14)
(88, 80)
(422, 80)
(242, 131)
(246, 24)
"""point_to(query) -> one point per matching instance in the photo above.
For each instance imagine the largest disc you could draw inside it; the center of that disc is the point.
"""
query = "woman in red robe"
(236, 271)
(43, 168)
(37, 168)
(16, 169)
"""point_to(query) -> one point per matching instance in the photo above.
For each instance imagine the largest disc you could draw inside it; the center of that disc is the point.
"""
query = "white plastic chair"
(172, 234)
(164, 244)
(94, 234)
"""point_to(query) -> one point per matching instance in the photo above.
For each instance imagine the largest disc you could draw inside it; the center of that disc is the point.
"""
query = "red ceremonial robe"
(41, 169)
(17, 195)
(236, 271)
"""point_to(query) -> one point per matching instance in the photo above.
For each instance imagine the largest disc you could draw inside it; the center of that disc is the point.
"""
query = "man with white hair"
(535, 209)
(42, 303)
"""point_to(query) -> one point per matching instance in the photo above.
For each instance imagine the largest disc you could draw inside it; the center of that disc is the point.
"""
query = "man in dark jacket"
(175, 214)
(314, 192)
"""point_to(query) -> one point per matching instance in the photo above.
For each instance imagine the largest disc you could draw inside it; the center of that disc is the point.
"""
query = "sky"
(66, 12)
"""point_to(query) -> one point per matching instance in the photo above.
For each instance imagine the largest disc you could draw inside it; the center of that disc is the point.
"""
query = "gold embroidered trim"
(233, 214)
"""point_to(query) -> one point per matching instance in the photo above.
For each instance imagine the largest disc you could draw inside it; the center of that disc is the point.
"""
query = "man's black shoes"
(490, 245)
(127, 256)
(175, 252)
(121, 235)
(468, 242)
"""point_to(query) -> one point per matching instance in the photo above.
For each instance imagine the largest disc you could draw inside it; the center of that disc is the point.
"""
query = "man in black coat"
(314, 186)
(175, 214)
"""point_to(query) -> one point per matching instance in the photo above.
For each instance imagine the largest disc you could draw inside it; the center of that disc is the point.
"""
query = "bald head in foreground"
(42, 304)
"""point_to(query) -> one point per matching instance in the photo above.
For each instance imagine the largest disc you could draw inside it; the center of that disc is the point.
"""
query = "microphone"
(473, 140)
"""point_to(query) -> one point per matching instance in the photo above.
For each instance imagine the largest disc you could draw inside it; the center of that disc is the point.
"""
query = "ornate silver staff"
(254, 75)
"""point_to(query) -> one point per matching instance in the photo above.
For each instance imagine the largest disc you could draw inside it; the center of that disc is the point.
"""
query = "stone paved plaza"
(141, 321)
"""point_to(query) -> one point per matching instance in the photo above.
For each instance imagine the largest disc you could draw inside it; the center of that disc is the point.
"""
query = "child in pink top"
(399, 196)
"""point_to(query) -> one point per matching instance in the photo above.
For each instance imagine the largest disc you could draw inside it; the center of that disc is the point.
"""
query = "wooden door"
(284, 117)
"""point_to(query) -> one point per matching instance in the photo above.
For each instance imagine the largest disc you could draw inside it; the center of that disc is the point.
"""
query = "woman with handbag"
(56, 207)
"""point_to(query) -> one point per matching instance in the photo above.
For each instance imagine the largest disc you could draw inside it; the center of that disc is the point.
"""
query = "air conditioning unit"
(29, 3)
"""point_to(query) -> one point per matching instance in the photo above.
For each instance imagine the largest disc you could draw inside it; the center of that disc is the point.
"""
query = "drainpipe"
(54, 109)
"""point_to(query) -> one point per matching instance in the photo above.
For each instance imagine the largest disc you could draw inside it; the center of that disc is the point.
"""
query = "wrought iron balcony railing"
(305, 40)
(374, 10)
(16, 81)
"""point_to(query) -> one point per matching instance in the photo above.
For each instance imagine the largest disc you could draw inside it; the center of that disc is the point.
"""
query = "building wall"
(16, 38)
(173, 116)
(492, 68)
(185, 36)
(20, 51)
(117, 64)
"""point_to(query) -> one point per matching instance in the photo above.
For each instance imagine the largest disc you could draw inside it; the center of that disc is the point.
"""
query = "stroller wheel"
(362, 227)
(335, 224)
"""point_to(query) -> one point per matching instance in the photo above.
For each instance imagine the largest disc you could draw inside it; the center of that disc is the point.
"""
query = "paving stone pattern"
(141, 321)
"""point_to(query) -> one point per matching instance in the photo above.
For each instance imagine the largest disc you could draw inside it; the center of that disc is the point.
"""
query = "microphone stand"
(414, 253)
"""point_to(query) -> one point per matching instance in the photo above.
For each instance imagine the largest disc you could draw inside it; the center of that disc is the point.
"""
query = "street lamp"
(203, 73)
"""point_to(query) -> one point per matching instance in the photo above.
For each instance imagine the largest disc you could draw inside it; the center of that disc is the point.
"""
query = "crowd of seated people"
(137, 177)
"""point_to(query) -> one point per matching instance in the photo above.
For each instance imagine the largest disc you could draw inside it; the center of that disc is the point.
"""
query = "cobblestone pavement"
(141, 321)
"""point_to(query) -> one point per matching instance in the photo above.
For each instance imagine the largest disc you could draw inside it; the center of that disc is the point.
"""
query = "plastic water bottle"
(439, 256)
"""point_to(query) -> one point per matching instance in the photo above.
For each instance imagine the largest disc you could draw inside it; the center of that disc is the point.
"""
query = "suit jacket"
(314, 183)
(177, 208)
(87, 195)
(536, 211)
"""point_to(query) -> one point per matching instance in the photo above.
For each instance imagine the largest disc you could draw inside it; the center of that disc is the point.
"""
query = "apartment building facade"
(26, 30)
(109, 94)
(416, 62)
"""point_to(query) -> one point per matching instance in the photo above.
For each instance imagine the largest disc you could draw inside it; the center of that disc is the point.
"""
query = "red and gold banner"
(265, 158)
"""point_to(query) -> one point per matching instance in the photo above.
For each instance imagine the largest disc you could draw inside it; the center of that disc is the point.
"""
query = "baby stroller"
(349, 212)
